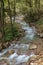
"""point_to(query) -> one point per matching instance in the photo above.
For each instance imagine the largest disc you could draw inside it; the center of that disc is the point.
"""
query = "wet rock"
(11, 51)
(33, 46)
(19, 51)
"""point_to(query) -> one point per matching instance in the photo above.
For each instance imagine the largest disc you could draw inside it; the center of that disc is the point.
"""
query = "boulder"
(41, 35)
(33, 46)
(11, 51)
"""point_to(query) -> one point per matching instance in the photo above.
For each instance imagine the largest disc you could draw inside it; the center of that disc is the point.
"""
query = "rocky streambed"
(27, 51)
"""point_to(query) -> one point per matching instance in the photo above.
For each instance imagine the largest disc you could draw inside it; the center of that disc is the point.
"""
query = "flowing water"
(21, 48)
(29, 31)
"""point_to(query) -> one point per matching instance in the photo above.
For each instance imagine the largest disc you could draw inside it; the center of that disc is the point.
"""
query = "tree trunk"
(2, 20)
(36, 1)
(14, 9)
(10, 18)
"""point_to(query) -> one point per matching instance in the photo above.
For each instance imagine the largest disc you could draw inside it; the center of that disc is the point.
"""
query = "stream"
(19, 56)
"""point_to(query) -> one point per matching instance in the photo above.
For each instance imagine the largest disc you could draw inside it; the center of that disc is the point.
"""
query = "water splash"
(15, 55)
(21, 58)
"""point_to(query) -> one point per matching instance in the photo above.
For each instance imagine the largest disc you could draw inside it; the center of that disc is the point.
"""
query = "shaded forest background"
(31, 9)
